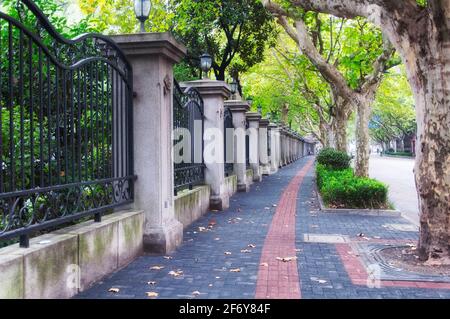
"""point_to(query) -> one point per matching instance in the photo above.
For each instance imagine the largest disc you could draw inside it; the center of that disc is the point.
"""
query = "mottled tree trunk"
(285, 113)
(432, 169)
(340, 129)
(362, 140)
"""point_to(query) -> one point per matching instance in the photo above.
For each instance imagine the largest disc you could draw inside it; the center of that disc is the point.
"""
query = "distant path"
(398, 174)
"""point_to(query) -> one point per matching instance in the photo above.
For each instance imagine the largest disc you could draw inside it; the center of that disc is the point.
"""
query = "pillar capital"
(207, 87)
(160, 44)
(237, 106)
(253, 116)
(264, 122)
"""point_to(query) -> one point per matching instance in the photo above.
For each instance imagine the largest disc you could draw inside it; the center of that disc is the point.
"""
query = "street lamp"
(250, 101)
(142, 10)
(205, 63)
(260, 109)
(234, 86)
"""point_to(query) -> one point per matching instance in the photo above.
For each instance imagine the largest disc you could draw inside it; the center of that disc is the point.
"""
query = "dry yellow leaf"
(176, 273)
(157, 267)
(235, 270)
(152, 294)
(115, 290)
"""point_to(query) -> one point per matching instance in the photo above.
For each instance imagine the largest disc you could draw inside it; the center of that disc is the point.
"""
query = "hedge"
(342, 189)
(333, 158)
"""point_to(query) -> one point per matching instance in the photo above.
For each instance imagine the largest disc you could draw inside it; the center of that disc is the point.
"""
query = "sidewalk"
(239, 253)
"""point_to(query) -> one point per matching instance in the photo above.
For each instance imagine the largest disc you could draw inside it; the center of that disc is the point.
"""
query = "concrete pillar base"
(243, 188)
(164, 239)
(219, 202)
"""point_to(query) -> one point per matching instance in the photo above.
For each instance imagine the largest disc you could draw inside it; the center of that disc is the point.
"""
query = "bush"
(408, 154)
(342, 189)
(333, 159)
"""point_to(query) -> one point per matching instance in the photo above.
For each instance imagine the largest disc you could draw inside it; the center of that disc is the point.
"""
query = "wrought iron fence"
(66, 125)
(228, 141)
(247, 144)
(188, 124)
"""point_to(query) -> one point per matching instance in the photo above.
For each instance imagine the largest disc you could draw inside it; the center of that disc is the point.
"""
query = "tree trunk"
(362, 140)
(340, 129)
(285, 113)
(432, 169)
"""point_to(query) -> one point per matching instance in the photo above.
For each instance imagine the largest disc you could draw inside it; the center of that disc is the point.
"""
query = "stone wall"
(67, 261)
(192, 204)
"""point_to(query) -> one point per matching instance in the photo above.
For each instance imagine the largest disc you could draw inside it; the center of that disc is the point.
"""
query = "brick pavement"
(229, 260)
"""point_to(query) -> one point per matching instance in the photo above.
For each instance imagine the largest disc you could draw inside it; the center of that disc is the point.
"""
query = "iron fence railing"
(228, 142)
(66, 139)
(188, 117)
(247, 144)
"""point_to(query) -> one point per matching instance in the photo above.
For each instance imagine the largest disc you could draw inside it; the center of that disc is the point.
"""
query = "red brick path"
(278, 279)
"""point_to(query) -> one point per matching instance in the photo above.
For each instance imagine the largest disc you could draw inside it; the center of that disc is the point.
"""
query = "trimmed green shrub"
(408, 154)
(333, 159)
(342, 189)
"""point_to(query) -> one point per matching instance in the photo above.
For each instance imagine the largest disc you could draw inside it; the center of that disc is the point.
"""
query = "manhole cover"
(371, 256)
(325, 238)
(401, 227)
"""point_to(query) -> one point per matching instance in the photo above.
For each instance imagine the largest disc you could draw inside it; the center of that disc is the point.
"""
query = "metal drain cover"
(370, 255)
(325, 238)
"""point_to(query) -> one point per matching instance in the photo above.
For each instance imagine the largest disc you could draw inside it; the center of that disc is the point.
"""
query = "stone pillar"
(253, 123)
(274, 137)
(238, 109)
(152, 56)
(263, 151)
(214, 93)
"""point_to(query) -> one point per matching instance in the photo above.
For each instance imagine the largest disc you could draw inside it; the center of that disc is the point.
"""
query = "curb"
(356, 211)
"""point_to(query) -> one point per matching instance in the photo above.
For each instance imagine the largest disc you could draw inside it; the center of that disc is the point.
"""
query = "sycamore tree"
(420, 32)
(393, 112)
(289, 89)
(354, 78)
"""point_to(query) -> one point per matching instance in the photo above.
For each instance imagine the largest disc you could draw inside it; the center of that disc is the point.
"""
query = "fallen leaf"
(245, 251)
(227, 253)
(235, 270)
(264, 264)
(239, 210)
(201, 229)
(114, 290)
(217, 277)
(210, 285)
(157, 267)
(152, 294)
(251, 245)
(176, 273)
(151, 283)
(360, 235)
(267, 208)
(212, 223)
(274, 205)
(196, 293)
(321, 281)
(217, 238)
(168, 257)
(286, 259)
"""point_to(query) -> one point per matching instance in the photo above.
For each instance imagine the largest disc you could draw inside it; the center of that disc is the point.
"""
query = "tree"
(232, 31)
(419, 30)
(393, 113)
(358, 94)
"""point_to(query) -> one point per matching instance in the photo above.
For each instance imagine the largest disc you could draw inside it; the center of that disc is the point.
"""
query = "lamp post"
(205, 64)
(234, 88)
(142, 10)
